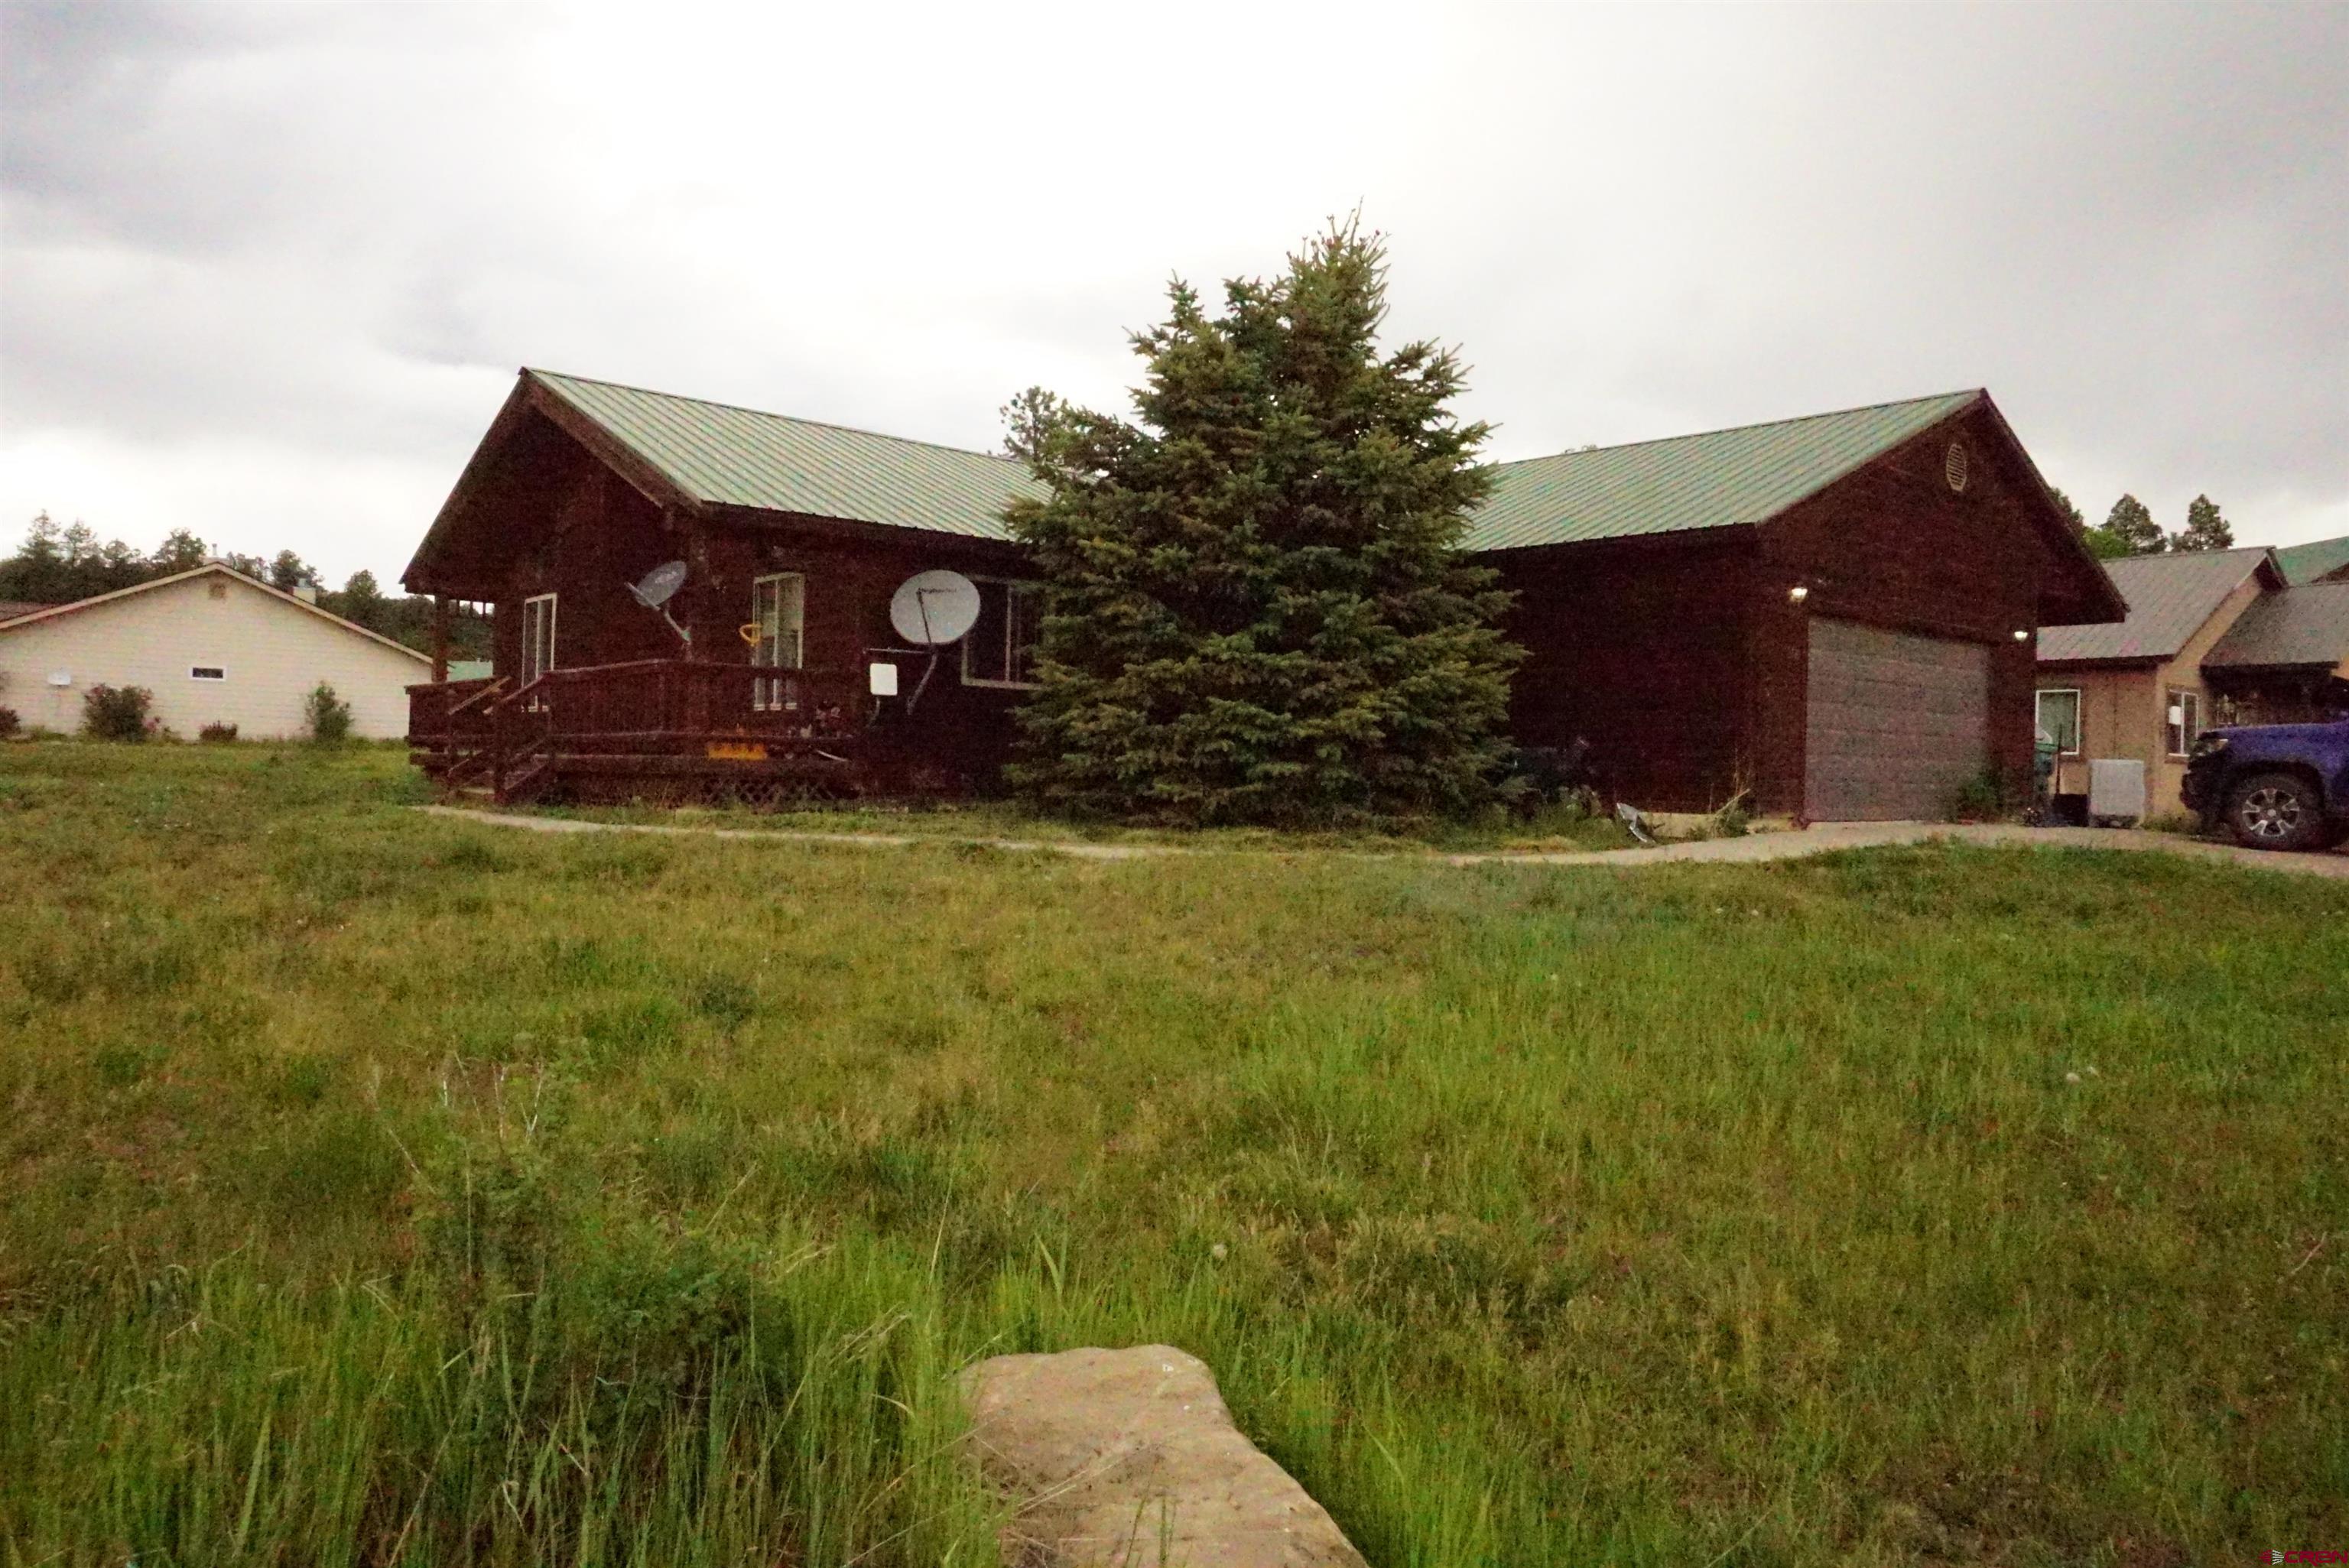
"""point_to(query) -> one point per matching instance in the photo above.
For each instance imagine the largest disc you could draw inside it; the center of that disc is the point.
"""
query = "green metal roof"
(2318, 558)
(723, 455)
(1716, 480)
(720, 455)
(2303, 625)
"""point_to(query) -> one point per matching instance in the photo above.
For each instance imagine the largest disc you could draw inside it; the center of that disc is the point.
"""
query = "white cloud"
(267, 273)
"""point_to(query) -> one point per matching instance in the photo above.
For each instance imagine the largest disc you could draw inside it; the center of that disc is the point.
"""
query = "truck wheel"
(2276, 811)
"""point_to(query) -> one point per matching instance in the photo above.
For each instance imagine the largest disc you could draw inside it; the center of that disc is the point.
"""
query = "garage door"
(1895, 723)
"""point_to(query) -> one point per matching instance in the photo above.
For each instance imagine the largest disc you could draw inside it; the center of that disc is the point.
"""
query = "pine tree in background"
(2101, 543)
(180, 552)
(1255, 605)
(288, 571)
(57, 565)
(2132, 526)
(2206, 528)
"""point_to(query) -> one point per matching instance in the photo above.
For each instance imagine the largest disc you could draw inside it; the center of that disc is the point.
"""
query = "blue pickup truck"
(2273, 786)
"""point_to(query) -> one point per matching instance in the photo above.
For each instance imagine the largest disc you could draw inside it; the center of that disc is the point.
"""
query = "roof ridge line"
(770, 413)
(1752, 424)
(213, 564)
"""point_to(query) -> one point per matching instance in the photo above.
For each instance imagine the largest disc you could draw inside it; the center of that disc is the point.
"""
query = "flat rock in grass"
(1128, 1458)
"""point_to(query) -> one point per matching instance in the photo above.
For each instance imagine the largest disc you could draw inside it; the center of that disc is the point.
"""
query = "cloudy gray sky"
(267, 273)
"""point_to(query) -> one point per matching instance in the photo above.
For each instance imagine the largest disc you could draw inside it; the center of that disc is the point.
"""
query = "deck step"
(527, 784)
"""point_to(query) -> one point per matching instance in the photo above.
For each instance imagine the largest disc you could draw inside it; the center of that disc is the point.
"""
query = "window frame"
(208, 672)
(1013, 587)
(774, 694)
(531, 668)
(2188, 727)
(2079, 717)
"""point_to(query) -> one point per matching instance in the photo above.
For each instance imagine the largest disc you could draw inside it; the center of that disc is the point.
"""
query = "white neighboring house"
(213, 645)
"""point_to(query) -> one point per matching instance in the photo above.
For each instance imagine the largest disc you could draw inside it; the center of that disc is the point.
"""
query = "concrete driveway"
(1819, 840)
(1825, 837)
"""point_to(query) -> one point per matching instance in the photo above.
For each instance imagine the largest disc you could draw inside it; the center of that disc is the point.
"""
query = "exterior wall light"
(2023, 634)
(1798, 593)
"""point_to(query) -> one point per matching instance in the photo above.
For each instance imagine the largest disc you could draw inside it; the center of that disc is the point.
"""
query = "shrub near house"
(116, 713)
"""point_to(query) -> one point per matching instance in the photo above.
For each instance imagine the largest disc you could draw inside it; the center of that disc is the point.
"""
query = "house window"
(2183, 722)
(779, 622)
(206, 673)
(2059, 720)
(1001, 648)
(537, 641)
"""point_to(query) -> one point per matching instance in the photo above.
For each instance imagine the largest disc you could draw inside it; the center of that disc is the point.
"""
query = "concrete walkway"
(1753, 848)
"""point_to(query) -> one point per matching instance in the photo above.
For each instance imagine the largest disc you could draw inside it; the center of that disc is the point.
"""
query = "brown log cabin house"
(1835, 613)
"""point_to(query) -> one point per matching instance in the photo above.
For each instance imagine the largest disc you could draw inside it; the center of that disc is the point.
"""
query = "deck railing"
(444, 713)
(647, 705)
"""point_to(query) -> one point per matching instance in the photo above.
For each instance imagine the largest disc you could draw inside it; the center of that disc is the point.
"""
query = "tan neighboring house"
(214, 646)
(2212, 637)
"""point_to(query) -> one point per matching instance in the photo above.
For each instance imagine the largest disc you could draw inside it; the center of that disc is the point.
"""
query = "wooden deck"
(661, 730)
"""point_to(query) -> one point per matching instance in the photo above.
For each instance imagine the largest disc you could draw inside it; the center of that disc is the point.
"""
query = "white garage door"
(1895, 723)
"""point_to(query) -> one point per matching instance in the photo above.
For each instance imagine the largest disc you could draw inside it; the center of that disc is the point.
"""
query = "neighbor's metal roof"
(725, 456)
(2169, 597)
(1716, 480)
(2307, 562)
(2303, 625)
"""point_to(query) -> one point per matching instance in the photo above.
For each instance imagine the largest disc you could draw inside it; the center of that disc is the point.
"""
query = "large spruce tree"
(1255, 605)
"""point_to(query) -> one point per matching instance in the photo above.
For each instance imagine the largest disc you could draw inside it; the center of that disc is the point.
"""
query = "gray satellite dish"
(659, 586)
(934, 607)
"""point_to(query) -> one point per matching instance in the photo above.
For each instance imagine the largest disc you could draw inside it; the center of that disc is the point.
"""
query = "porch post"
(439, 638)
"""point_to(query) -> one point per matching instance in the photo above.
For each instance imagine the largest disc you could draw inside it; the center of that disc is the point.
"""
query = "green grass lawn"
(378, 1188)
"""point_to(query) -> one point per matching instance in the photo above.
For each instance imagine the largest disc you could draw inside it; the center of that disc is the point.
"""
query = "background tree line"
(2130, 529)
(58, 564)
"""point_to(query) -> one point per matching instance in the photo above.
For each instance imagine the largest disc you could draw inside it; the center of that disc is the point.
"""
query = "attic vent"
(218, 590)
(1953, 466)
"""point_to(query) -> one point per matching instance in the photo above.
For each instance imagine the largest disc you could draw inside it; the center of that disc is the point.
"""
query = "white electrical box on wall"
(2116, 791)
(884, 678)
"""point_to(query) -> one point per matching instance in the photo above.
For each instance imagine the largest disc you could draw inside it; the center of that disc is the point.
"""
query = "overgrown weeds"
(377, 1190)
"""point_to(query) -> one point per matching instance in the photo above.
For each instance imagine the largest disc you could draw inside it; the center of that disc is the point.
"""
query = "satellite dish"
(934, 607)
(660, 585)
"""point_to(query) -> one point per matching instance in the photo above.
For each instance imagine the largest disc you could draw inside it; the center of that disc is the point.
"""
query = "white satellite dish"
(659, 586)
(934, 607)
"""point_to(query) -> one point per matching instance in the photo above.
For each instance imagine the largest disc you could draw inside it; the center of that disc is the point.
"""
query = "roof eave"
(857, 528)
(2107, 661)
(1661, 538)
